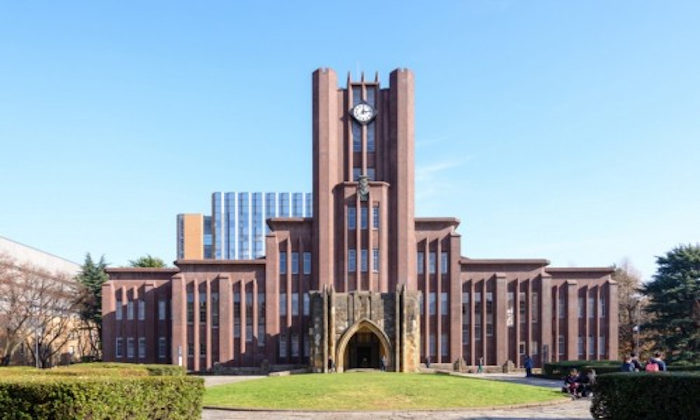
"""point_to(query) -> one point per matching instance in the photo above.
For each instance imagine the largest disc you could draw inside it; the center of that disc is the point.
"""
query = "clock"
(363, 112)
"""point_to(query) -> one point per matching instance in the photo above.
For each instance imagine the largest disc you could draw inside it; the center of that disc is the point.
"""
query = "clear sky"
(557, 129)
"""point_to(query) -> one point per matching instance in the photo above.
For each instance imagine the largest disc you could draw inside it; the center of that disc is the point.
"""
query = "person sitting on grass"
(571, 383)
(585, 381)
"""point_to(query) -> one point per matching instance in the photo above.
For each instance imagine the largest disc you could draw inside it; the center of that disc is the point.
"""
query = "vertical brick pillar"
(208, 329)
(455, 297)
(109, 332)
(179, 322)
(150, 321)
(613, 320)
(499, 324)
(545, 308)
(571, 320)
(225, 320)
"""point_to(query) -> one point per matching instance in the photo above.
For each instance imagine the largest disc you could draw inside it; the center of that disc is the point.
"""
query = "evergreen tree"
(92, 276)
(674, 295)
(147, 262)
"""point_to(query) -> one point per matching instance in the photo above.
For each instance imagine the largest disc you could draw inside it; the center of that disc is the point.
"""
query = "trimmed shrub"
(646, 395)
(683, 368)
(100, 391)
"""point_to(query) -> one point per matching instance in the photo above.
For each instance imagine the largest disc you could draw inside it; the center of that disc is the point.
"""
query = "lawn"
(373, 391)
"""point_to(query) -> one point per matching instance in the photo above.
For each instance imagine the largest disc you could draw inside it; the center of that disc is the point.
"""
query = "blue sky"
(557, 129)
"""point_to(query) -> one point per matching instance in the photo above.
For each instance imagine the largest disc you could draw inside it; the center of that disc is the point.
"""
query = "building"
(236, 228)
(37, 307)
(363, 278)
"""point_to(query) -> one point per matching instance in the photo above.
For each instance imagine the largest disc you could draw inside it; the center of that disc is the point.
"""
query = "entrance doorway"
(363, 351)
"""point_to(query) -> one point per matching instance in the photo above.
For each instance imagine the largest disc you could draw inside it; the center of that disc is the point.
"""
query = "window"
(443, 304)
(202, 346)
(581, 306)
(119, 347)
(352, 218)
(444, 266)
(352, 261)
(307, 347)
(466, 313)
(375, 217)
(363, 260)
(295, 304)
(370, 133)
(591, 345)
(477, 315)
(581, 347)
(535, 308)
(601, 344)
(307, 304)
(533, 348)
(283, 304)
(307, 263)
(130, 310)
(562, 345)
(370, 174)
(261, 333)
(432, 344)
(161, 310)
(236, 314)
(444, 344)
(142, 310)
(283, 346)
(119, 310)
(522, 306)
(190, 349)
(562, 305)
(421, 261)
(130, 347)
(432, 262)
(142, 347)
(295, 345)
(261, 319)
(190, 307)
(510, 310)
(356, 173)
(602, 306)
(363, 218)
(591, 307)
(375, 260)
(161, 347)
(431, 303)
(521, 348)
(489, 314)
(215, 309)
(202, 308)
(295, 263)
(283, 262)
(356, 137)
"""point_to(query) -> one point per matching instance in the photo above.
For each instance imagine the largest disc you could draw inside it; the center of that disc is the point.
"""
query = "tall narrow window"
(295, 304)
(295, 345)
(562, 345)
(352, 213)
(489, 314)
(161, 347)
(307, 304)
(375, 260)
(601, 306)
(535, 308)
(215, 309)
(261, 318)
(237, 314)
(591, 307)
(295, 263)
(190, 307)
(283, 262)
(142, 310)
(356, 173)
(283, 304)
(363, 260)
(477, 315)
(130, 347)
(283, 345)
(432, 262)
(352, 261)
(202, 307)
(534, 347)
(510, 310)
(161, 309)
(356, 137)
(130, 310)
(307, 263)
(581, 347)
(363, 217)
(466, 312)
(444, 266)
(444, 344)
(249, 316)
(119, 310)
(119, 348)
(562, 305)
(522, 306)
(142, 347)
(581, 307)
(432, 303)
(433, 344)
(591, 345)
(420, 259)
(601, 345)
(371, 146)
(375, 217)
(443, 304)
(370, 174)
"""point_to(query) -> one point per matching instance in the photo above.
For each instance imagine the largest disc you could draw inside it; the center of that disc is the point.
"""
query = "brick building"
(363, 278)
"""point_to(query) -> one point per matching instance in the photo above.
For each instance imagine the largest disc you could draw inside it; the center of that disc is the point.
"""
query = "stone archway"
(362, 345)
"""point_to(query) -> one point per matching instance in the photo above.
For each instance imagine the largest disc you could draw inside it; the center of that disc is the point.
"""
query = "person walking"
(382, 363)
(331, 365)
(635, 362)
(659, 361)
(528, 366)
(627, 365)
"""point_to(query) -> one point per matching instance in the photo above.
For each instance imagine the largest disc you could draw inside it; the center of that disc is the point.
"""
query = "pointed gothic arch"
(363, 325)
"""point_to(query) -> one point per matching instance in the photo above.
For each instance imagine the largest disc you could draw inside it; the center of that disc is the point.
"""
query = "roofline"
(259, 261)
(490, 261)
(608, 270)
(117, 270)
(40, 250)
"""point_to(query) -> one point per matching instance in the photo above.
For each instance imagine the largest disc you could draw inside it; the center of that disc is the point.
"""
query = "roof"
(494, 261)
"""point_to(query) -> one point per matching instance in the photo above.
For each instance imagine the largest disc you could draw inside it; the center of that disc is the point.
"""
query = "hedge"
(100, 391)
(557, 370)
(646, 395)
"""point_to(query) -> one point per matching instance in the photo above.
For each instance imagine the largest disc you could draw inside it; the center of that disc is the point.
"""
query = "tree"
(674, 295)
(631, 303)
(14, 310)
(147, 262)
(92, 276)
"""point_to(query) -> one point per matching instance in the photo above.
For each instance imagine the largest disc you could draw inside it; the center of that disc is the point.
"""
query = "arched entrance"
(362, 346)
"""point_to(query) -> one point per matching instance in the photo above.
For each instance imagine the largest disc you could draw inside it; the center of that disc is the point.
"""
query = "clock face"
(363, 112)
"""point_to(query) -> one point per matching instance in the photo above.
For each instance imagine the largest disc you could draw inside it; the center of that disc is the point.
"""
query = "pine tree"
(674, 295)
(92, 276)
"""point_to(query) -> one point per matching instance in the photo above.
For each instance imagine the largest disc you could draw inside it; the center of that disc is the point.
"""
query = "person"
(528, 366)
(427, 362)
(331, 365)
(651, 366)
(659, 361)
(571, 383)
(585, 381)
(635, 362)
(627, 365)
(382, 363)
(480, 368)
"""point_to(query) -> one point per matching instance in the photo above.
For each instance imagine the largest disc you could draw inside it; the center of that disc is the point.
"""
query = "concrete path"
(223, 379)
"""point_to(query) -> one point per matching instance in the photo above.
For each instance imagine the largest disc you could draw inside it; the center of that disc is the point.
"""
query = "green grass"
(373, 391)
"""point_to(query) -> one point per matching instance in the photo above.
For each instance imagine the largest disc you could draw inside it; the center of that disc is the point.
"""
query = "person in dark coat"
(635, 362)
(627, 365)
(528, 366)
(659, 361)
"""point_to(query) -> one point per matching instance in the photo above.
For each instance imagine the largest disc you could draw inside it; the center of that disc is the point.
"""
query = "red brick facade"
(363, 239)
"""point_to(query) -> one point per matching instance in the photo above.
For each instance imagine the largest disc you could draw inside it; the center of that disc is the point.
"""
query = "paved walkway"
(568, 410)
(224, 379)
